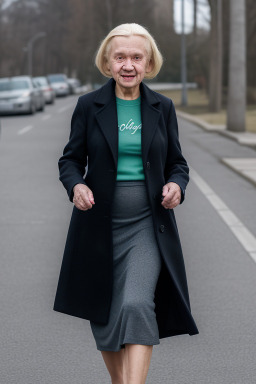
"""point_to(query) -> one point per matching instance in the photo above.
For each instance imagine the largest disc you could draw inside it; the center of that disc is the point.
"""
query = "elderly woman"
(123, 267)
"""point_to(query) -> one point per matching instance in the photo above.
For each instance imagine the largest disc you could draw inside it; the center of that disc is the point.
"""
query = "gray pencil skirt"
(137, 264)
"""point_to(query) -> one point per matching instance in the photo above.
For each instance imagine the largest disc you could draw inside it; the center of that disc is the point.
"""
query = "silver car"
(18, 94)
(59, 83)
(49, 94)
(74, 85)
(39, 96)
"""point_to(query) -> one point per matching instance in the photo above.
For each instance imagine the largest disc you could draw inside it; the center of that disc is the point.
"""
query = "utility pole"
(195, 20)
(184, 100)
(236, 111)
(30, 51)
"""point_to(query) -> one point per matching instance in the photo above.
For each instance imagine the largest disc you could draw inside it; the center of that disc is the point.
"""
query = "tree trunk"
(109, 15)
(237, 68)
(215, 89)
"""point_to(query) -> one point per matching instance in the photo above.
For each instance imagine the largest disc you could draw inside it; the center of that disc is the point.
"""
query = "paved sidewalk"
(245, 167)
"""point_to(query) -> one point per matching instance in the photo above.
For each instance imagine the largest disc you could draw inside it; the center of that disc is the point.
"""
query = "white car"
(19, 94)
(74, 85)
(59, 83)
(49, 94)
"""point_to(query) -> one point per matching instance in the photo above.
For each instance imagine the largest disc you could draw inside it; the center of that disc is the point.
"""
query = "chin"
(129, 85)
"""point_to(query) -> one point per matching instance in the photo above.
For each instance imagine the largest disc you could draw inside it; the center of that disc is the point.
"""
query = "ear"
(107, 67)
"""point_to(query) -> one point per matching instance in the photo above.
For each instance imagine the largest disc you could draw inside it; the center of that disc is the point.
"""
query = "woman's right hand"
(83, 197)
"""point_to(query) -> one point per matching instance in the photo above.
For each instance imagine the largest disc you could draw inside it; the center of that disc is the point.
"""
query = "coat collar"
(106, 116)
(107, 93)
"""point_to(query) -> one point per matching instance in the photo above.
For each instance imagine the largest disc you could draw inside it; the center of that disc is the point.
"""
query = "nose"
(128, 65)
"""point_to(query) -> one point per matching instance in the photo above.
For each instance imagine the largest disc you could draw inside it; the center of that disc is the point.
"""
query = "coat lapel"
(149, 117)
(107, 117)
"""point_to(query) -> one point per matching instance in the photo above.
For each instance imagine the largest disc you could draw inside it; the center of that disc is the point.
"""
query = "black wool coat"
(85, 282)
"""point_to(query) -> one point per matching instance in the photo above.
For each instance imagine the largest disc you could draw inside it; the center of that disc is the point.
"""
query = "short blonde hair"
(155, 55)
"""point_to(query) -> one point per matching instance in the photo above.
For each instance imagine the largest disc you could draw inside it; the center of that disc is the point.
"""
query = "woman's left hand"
(172, 195)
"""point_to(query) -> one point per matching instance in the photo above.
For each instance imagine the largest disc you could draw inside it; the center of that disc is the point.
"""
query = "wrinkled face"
(128, 60)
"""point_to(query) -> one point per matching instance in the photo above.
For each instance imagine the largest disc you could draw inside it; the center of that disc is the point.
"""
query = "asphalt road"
(39, 345)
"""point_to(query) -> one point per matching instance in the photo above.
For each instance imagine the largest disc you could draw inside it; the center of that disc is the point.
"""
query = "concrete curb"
(245, 167)
(243, 138)
(200, 122)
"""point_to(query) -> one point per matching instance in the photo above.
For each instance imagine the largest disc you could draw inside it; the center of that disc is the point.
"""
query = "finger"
(82, 204)
(165, 190)
(84, 200)
(80, 207)
(91, 197)
(173, 204)
(86, 205)
(169, 196)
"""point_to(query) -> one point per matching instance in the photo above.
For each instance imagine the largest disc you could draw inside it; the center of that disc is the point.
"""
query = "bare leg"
(136, 363)
(130, 365)
(114, 363)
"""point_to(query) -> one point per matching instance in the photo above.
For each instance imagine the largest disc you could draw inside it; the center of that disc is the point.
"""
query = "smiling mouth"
(128, 76)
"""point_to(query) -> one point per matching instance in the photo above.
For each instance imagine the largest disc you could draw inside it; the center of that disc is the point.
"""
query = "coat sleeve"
(73, 162)
(176, 167)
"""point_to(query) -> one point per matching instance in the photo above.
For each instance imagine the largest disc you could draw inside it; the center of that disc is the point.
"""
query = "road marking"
(62, 109)
(25, 129)
(46, 117)
(243, 235)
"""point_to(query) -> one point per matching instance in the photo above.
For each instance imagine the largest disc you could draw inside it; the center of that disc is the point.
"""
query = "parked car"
(59, 82)
(18, 94)
(74, 85)
(39, 96)
(48, 92)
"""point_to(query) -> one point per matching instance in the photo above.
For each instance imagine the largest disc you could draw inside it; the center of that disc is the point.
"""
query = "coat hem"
(177, 333)
(76, 314)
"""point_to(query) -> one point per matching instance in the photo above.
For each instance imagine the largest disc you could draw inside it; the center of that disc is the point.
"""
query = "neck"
(127, 93)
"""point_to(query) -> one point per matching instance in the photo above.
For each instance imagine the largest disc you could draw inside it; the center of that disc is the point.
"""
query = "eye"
(137, 57)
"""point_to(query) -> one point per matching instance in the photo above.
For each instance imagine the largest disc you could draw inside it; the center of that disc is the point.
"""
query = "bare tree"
(237, 68)
(75, 28)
